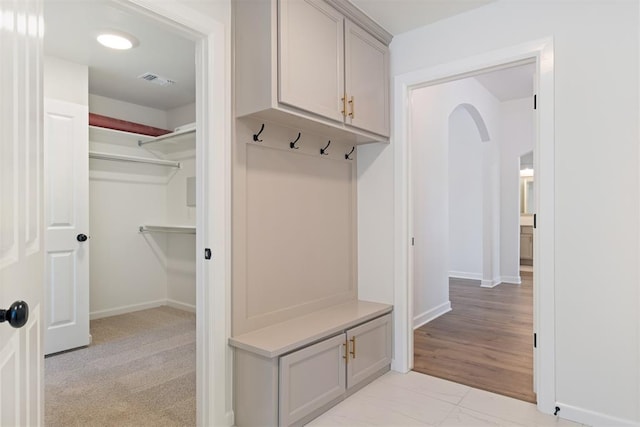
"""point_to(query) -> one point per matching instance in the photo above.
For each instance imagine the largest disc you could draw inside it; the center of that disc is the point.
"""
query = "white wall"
(181, 248)
(596, 129)
(517, 138)
(465, 196)
(65, 81)
(181, 116)
(127, 111)
(127, 268)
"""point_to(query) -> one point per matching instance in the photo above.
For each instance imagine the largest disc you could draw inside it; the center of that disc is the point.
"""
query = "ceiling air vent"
(154, 78)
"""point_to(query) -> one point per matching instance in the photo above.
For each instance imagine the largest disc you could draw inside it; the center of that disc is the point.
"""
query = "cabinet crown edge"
(355, 14)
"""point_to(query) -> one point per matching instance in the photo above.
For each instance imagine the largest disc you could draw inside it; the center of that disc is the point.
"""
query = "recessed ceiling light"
(117, 40)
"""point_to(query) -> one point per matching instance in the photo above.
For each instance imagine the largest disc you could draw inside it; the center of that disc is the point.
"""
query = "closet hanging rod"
(167, 137)
(167, 229)
(132, 159)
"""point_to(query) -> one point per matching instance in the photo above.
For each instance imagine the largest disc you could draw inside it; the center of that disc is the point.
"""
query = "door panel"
(21, 255)
(370, 349)
(366, 80)
(311, 69)
(66, 215)
(311, 378)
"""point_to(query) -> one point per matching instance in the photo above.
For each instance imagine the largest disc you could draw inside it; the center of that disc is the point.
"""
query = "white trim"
(429, 315)
(213, 194)
(489, 283)
(465, 275)
(511, 280)
(544, 251)
(181, 305)
(592, 418)
(124, 309)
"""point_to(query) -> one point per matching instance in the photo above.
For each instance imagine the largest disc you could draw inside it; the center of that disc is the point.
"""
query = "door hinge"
(207, 253)
(535, 340)
(535, 221)
(413, 241)
(535, 102)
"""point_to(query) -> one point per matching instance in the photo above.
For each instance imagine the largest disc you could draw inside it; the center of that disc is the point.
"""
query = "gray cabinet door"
(369, 349)
(311, 57)
(311, 378)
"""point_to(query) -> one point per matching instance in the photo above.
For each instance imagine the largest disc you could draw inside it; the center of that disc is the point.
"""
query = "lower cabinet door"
(311, 378)
(369, 349)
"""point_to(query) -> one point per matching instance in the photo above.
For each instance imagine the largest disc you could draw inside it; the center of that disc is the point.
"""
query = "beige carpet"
(139, 371)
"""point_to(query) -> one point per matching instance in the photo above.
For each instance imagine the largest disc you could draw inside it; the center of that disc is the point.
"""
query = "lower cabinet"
(526, 245)
(312, 379)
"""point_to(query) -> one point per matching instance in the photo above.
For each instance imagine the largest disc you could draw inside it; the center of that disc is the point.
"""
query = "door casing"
(544, 251)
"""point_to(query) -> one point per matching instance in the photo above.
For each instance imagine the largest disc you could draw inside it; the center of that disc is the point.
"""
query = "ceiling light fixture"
(117, 40)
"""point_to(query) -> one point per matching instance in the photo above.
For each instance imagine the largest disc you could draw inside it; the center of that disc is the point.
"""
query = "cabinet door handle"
(353, 347)
(344, 105)
(352, 102)
(346, 353)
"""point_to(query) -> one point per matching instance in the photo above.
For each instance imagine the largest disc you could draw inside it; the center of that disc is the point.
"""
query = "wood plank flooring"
(485, 341)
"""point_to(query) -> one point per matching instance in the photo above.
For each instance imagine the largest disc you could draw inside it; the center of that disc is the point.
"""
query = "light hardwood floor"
(485, 341)
(139, 371)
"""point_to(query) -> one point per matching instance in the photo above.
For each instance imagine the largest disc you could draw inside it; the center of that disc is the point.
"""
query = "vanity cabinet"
(526, 245)
(321, 64)
(283, 382)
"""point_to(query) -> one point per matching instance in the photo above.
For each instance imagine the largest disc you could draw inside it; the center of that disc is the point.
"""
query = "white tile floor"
(415, 399)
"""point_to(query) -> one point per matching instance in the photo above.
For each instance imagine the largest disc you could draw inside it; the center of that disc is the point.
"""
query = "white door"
(21, 243)
(311, 68)
(66, 222)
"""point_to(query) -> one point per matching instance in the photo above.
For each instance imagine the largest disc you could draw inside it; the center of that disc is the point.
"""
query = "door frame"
(213, 201)
(544, 251)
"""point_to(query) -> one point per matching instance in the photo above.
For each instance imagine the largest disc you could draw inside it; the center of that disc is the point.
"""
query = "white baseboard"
(490, 283)
(429, 315)
(511, 280)
(181, 305)
(125, 309)
(592, 418)
(465, 275)
(137, 307)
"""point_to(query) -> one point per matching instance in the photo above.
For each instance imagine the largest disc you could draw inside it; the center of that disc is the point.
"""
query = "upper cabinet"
(319, 64)
(366, 80)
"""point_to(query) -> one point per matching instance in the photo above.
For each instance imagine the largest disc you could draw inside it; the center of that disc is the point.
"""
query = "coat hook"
(348, 156)
(255, 136)
(292, 144)
(323, 151)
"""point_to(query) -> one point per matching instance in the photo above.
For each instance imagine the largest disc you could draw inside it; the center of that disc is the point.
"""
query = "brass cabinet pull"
(346, 353)
(353, 347)
(352, 114)
(344, 105)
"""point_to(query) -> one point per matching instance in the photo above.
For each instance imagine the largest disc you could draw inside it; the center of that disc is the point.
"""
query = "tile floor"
(415, 399)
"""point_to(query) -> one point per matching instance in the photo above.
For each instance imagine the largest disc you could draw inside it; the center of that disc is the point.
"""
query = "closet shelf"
(132, 159)
(183, 229)
(113, 136)
(172, 142)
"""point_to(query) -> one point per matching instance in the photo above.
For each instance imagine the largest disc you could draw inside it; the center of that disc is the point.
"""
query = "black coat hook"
(348, 156)
(323, 151)
(255, 136)
(292, 144)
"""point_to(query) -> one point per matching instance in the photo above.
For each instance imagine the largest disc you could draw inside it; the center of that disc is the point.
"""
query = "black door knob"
(17, 315)
(81, 237)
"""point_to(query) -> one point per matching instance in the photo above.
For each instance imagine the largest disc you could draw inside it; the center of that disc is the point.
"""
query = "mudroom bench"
(291, 372)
